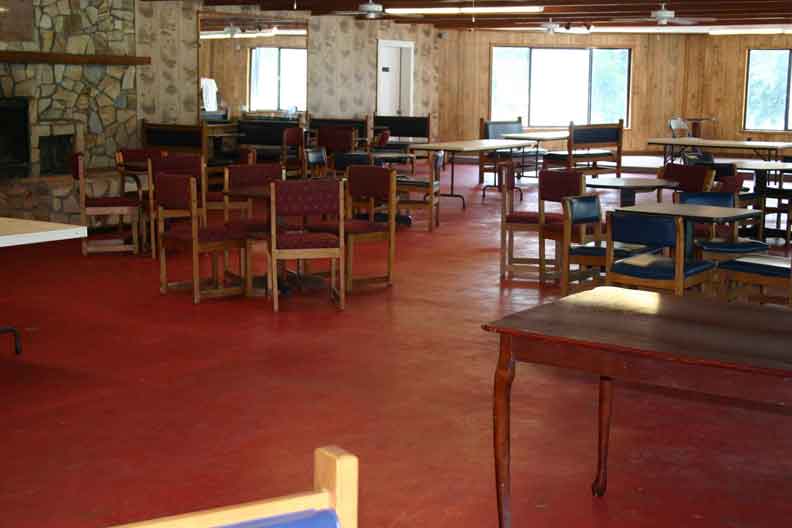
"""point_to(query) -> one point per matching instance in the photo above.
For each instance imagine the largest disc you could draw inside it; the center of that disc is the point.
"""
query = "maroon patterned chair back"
(555, 185)
(143, 155)
(691, 178)
(336, 139)
(173, 190)
(247, 156)
(260, 174)
(731, 184)
(77, 165)
(367, 181)
(293, 137)
(307, 197)
(383, 139)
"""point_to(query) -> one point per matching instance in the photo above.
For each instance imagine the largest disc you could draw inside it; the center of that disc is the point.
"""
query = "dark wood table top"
(700, 331)
(696, 213)
(648, 184)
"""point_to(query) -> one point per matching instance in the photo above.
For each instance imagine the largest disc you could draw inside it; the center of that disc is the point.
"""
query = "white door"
(395, 77)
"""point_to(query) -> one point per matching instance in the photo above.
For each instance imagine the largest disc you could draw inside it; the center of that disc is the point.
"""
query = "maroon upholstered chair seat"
(532, 217)
(352, 227)
(112, 201)
(307, 240)
(183, 233)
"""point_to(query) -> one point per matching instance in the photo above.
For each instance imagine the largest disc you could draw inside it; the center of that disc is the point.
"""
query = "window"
(551, 87)
(768, 90)
(278, 78)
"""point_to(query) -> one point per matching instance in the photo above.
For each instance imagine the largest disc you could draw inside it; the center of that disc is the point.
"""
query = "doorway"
(395, 77)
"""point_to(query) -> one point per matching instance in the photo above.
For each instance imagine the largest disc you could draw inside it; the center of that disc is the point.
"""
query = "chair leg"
(431, 216)
(153, 235)
(196, 276)
(350, 255)
(391, 258)
(163, 271)
(342, 288)
(333, 273)
(215, 269)
(542, 259)
(274, 274)
(135, 223)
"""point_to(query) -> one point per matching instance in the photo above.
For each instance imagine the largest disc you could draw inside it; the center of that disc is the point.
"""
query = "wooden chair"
(333, 502)
(316, 163)
(255, 229)
(132, 164)
(335, 140)
(490, 162)
(513, 222)
(650, 270)
(90, 207)
(554, 186)
(177, 196)
(304, 198)
(720, 243)
(215, 199)
(189, 164)
(584, 245)
(369, 188)
(293, 151)
(588, 145)
(427, 190)
(691, 178)
(758, 271)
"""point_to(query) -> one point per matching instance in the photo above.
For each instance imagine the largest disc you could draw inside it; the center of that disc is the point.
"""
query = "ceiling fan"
(664, 16)
(550, 26)
(369, 11)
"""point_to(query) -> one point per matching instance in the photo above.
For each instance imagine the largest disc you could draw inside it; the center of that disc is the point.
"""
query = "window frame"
(278, 87)
(590, 50)
(787, 117)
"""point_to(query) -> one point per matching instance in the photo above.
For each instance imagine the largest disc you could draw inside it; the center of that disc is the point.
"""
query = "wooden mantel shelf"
(37, 57)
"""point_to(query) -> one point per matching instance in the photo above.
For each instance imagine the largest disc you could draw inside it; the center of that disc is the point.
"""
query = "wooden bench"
(405, 130)
(589, 144)
(359, 125)
(265, 135)
(331, 503)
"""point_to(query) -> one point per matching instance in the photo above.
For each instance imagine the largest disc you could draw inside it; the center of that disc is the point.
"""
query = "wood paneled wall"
(689, 75)
(223, 62)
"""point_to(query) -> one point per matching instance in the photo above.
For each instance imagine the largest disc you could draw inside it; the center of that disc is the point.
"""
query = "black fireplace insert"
(14, 138)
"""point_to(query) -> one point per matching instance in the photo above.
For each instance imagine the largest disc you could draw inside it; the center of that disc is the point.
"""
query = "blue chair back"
(716, 199)
(306, 519)
(649, 230)
(584, 209)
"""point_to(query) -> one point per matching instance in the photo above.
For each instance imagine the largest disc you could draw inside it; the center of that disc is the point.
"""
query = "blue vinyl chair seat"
(767, 265)
(658, 267)
(305, 519)
(743, 245)
(620, 250)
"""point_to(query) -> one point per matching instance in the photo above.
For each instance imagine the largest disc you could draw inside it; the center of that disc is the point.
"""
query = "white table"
(470, 146)
(768, 150)
(19, 232)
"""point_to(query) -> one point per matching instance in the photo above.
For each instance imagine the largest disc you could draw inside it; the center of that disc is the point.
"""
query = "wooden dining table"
(727, 352)
(629, 187)
(473, 146)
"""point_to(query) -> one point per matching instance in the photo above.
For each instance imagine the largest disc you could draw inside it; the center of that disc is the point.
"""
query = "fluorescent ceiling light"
(219, 35)
(463, 10)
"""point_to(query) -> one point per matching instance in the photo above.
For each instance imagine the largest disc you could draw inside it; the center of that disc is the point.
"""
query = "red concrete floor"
(128, 405)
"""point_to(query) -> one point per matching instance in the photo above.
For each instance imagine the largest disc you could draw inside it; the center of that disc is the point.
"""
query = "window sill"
(745, 131)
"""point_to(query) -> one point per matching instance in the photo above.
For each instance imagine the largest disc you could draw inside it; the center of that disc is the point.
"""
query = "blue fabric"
(596, 135)
(715, 199)
(651, 230)
(620, 250)
(496, 129)
(648, 266)
(306, 519)
(742, 245)
(585, 209)
(767, 265)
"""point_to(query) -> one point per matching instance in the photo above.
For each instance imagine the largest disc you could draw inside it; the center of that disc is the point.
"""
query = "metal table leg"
(452, 194)
(17, 340)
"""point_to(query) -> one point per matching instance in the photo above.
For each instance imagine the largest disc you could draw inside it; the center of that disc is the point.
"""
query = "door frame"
(404, 44)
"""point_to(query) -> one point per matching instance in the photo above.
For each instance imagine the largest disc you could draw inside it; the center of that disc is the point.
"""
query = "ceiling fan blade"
(685, 21)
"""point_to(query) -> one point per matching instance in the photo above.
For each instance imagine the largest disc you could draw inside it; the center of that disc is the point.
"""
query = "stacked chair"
(423, 194)
(293, 151)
